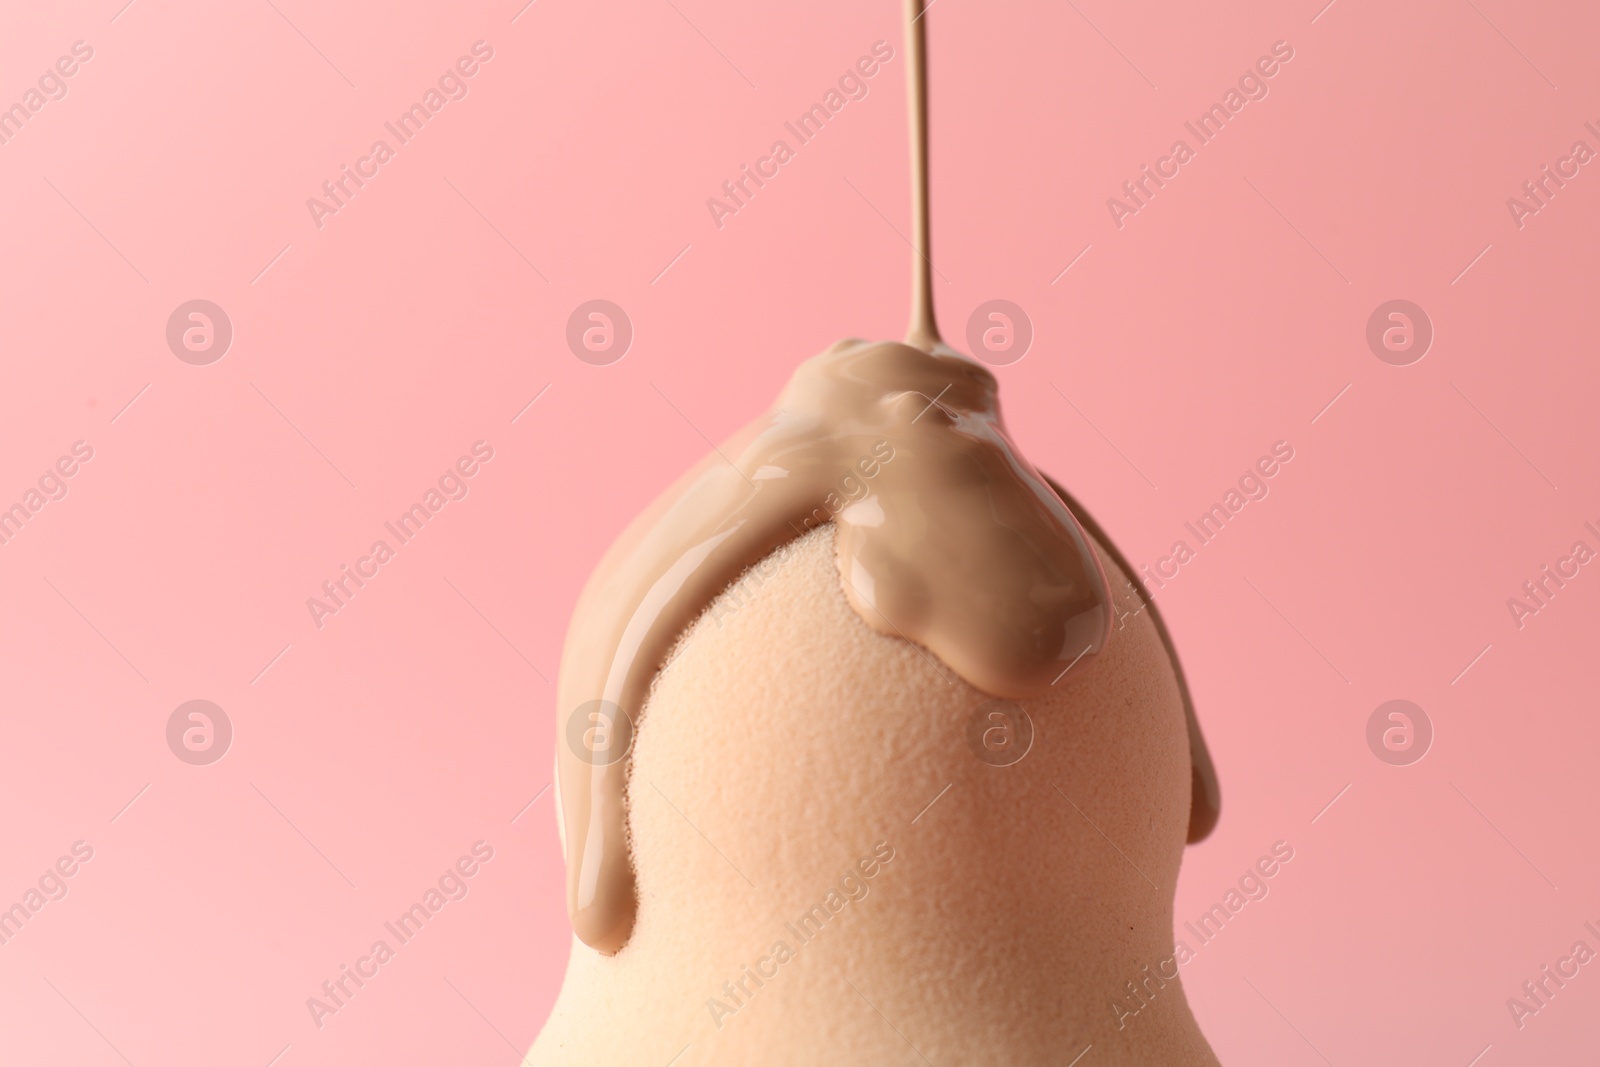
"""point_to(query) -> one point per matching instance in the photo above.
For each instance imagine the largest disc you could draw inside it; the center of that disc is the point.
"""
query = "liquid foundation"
(960, 547)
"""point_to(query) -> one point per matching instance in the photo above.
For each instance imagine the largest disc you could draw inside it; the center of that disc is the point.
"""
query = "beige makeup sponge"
(787, 750)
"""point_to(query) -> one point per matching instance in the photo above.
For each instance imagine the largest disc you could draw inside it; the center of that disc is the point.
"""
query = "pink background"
(371, 353)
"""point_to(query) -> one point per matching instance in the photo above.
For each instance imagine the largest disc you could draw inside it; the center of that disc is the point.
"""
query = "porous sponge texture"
(787, 749)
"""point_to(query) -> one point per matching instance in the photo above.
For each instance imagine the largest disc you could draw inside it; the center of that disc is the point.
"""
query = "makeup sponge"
(846, 854)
